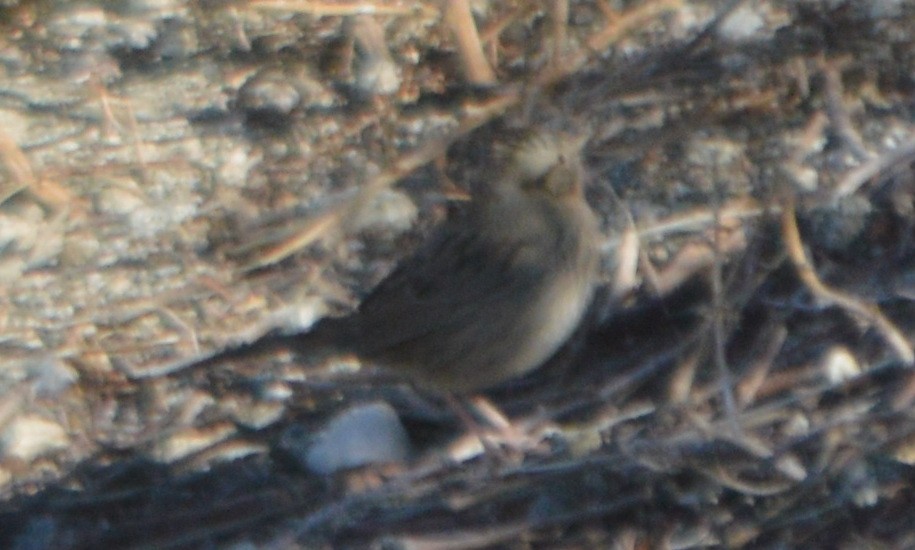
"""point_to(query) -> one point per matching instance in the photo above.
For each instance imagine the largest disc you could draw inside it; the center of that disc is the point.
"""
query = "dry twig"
(470, 49)
(867, 312)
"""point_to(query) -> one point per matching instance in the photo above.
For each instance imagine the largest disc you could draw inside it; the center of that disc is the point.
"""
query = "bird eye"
(560, 180)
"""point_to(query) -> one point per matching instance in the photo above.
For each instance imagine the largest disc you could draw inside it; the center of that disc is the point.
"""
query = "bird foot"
(506, 441)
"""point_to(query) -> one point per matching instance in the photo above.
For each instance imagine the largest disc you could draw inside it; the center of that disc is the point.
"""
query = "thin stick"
(854, 179)
(460, 21)
(718, 323)
(860, 309)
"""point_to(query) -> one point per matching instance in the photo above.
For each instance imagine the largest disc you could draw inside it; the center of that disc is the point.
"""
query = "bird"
(491, 295)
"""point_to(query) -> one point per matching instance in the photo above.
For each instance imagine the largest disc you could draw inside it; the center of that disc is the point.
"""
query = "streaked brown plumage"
(492, 294)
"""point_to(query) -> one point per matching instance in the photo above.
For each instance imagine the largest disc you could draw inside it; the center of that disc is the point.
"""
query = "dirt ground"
(178, 177)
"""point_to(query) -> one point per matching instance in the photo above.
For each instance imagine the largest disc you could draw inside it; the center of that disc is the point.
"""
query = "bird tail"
(322, 337)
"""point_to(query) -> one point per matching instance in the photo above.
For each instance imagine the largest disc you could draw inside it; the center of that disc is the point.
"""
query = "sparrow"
(491, 295)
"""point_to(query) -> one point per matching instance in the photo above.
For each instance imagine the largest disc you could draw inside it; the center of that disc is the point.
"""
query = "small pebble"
(362, 435)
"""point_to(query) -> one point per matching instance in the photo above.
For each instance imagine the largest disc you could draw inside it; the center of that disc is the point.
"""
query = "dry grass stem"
(701, 218)
(470, 49)
(838, 114)
(19, 169)
(625, 279)
(325, 9)
(760, 369)
(490, 33)
(559, 17)
(827, 296)
(720, 325)
(872, 167)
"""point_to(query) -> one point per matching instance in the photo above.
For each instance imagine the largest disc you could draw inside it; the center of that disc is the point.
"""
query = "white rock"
(31, 436)
(840, 365)
(365, 434)
(742, 24)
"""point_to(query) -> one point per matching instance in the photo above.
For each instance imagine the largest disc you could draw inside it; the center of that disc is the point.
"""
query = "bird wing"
(430, 292)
